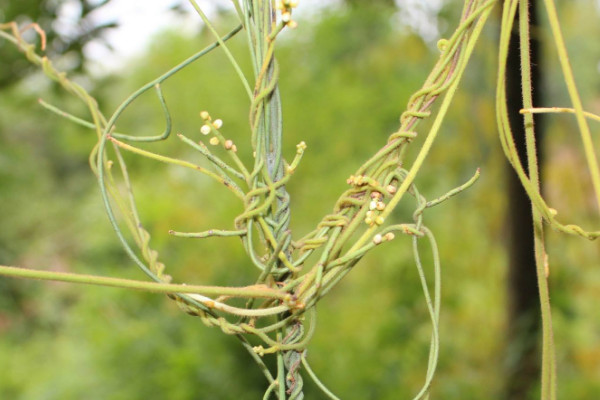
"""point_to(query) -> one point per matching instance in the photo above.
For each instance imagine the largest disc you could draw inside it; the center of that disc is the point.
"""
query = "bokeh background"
(346, 74)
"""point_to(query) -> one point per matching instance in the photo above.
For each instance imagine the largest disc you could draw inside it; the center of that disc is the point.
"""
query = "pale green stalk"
(557, 110)
(257, 291)
(317, 381)
(548, 383)
(221, 42)
(584, 129)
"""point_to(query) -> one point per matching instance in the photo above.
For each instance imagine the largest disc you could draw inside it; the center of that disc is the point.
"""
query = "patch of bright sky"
(421, 17)
(139, 20)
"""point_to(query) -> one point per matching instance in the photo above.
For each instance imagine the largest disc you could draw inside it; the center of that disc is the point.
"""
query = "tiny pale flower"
(205, 129)
(377, 239)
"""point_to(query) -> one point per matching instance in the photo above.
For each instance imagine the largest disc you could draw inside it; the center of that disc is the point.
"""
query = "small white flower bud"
(214, 141)
(204, 115)
(205, 129)
(218, 123)
(377, 239)
(228, 144)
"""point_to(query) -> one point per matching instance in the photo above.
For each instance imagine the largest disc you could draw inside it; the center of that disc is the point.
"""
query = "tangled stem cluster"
(290, 282)
(293, 275)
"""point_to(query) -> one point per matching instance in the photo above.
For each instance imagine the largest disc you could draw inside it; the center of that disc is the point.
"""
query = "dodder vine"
(294, 274)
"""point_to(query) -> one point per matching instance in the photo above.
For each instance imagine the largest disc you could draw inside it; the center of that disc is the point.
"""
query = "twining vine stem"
(294, 274)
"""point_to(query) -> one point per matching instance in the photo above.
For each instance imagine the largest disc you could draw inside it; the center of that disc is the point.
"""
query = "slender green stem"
(258, 291)
(209, 233)
(159, 80)
(169, 160)
(270, 390)
(432, 306)
(168, 122)
(64, 114)
(454, 191)
(556, 110)
(548, 383)
(567, 70)
(317, 381)
(221, 42)
(214, 159)
(242, 312)
(280, 371)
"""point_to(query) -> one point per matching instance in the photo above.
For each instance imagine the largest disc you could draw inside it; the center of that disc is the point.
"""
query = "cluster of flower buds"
(379, 238)
(300, 147)
(211, 126)
(286, 7)
(375, 206)
(358, 180)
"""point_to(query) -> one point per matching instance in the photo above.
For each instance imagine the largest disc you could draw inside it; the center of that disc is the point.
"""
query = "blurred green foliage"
(66, 35)
(345, 78)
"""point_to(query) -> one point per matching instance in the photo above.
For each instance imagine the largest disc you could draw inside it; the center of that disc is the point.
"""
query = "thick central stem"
(266, 109)
(266, 120)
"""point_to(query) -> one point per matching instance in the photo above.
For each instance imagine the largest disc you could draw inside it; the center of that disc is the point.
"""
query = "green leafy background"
(345, 79)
